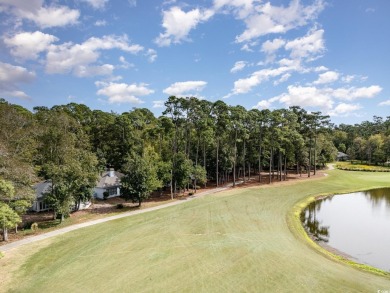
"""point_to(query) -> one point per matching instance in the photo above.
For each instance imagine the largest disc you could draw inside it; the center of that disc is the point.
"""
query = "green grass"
(242, 240)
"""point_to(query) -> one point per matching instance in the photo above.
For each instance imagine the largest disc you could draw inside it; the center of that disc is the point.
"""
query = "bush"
(191, 193)
(34, 227)
(120, 206)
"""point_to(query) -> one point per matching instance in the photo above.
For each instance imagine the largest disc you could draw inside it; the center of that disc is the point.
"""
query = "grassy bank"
(236, 241)
(356, 166)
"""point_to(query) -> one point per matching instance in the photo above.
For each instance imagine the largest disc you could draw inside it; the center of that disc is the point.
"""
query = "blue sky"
(324, 55)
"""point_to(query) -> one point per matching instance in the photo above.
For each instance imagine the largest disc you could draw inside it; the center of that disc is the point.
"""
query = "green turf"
(242, 240)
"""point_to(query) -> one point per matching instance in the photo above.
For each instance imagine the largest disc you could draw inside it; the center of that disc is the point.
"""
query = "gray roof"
(341, 155)
(106, 181)
(42, 187)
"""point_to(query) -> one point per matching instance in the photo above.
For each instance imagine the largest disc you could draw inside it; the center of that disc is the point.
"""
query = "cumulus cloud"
(44, 16)
(245, 85)
(75, 58)
(185, 88)
(119, 93)
(353, 93)
(178, 24)
(307, 47)
(344, 109)
(238, 66)
(268, 19)
(151, 54)
(263, 104)
(269, 47)
(101, 22)
(28, 45)
(324, 98)
(96, 4)
(306, 97)
(10, 78)
(327, 77)
(384, 103)
(158, 104)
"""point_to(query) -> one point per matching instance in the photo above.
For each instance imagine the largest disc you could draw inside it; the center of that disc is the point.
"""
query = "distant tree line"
(194, 143)
(367, 142)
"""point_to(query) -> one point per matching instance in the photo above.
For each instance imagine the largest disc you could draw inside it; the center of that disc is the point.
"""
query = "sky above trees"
(330, 56)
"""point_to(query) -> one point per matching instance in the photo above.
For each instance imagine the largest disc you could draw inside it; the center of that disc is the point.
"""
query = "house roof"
(42, 187)
(106, 181)
(341, 155)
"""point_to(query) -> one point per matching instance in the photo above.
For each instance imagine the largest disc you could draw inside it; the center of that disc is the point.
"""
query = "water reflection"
(357, 224)
(312, 224)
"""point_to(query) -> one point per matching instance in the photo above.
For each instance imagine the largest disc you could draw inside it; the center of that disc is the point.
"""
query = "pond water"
(356, 224)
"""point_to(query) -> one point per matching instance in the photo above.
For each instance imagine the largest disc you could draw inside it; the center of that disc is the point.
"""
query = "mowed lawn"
(240, 240)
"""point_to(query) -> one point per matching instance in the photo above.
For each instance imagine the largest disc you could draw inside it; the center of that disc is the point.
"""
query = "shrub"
(120, 206)
(191, 193)
(34, 227)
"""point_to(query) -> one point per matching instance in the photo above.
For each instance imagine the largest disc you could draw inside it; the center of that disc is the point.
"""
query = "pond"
(356, 225)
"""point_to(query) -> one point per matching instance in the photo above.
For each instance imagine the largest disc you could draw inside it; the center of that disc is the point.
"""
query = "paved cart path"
(39, 237)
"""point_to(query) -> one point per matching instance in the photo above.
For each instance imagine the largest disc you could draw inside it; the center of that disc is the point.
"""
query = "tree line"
(193, 143)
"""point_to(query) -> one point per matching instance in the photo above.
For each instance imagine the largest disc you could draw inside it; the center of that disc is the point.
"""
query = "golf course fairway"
(240, 240)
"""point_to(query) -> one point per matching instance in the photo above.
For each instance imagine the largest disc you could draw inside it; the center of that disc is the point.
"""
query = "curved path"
(39, 237)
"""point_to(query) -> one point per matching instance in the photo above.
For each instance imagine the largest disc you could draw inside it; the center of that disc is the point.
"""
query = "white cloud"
(320, 68)
(183, 88)
(43, 16)
(28, 45)
(307, 47)
(306, 97)
(269, 47)
(238, 66)
(119, 93)
(100, 23)
(10, 78)
(344, 109)
(158, 104)
(178, 24)
(267, 19)
(284, 78)
(327, 77)
(152, 55)
(324, 98)
(75, 58)
(85, 71)
(384, 103)
(353, 93)
(263, 104)
(96, 4)
(245, 85)
(125, 64)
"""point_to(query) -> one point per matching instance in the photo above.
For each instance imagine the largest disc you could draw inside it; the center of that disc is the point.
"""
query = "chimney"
(111, 172)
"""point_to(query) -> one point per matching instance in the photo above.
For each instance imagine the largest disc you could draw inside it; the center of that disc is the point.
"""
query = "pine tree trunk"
(315, 155)
(5, 234)
(244, 173)
(217, 161)
(270, 166)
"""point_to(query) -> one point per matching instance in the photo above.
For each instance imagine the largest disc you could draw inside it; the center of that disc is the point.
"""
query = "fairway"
(241, 240)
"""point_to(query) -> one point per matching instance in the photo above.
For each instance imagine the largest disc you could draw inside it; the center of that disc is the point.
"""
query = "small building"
(342, 156)
(110, 182)
(39, 204)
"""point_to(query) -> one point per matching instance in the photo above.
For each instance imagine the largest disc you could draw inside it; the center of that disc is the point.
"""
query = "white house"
(39, 204)
(109, 181)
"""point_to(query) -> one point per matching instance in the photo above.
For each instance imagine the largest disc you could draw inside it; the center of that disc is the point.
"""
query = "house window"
(112, 191)
(43, 206)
